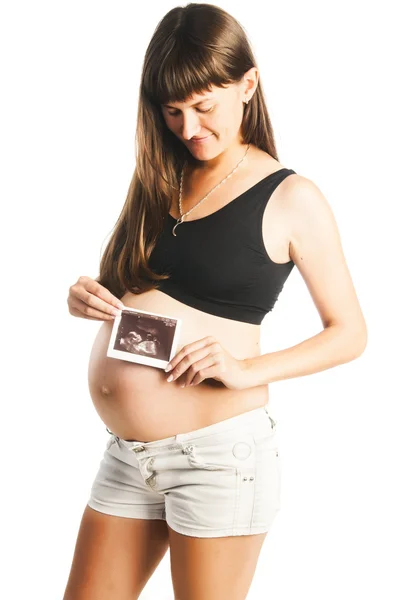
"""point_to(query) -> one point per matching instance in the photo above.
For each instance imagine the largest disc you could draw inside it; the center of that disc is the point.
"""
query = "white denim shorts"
(221, 480)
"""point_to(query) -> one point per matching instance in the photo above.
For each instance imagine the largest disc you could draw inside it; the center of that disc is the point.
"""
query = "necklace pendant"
(179, 221)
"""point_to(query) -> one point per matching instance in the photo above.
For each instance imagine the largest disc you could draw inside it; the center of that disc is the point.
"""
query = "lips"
(202, 139)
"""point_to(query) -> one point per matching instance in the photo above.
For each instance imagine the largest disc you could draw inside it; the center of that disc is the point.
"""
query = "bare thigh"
(213, 568)
(114, 556)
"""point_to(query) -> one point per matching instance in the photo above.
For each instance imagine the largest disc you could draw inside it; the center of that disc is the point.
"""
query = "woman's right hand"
(90, 300)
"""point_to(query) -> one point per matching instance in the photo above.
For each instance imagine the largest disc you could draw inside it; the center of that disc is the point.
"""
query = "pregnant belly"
(136, 402)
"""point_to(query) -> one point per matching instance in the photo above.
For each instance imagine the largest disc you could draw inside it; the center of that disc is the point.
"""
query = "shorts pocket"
(201, 460)
(225, 456)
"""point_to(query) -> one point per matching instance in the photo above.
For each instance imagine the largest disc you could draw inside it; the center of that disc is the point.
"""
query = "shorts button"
(241, 450)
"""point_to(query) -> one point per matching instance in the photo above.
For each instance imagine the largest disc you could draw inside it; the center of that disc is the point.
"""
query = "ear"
(250, 81)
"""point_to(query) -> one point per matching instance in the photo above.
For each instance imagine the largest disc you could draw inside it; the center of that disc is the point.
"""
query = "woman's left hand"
(206, 358)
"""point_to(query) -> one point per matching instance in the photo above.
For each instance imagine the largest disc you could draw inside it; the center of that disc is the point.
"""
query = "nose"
(190, 126)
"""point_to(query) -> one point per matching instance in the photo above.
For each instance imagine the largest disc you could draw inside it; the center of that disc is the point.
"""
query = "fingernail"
(168, 368)
(170, 377)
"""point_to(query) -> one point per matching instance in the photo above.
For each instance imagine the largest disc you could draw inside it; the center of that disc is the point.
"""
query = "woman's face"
(214, 116)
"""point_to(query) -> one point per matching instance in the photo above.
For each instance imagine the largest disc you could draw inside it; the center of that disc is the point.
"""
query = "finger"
(100, 297)
(102, 292)
(191, 364)
(189, 349)
(78, 308)
(95, 296)
(186, 363)
(201, 370)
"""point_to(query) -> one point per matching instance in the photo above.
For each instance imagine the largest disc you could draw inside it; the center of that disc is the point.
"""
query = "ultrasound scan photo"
(144, 337)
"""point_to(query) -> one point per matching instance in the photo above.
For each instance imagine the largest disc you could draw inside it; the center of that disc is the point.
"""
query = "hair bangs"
(184, 72)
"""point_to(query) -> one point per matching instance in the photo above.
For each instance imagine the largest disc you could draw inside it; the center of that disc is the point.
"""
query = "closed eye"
(198, 109)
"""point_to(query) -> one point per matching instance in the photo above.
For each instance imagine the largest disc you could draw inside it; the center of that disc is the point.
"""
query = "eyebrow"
(196, 103)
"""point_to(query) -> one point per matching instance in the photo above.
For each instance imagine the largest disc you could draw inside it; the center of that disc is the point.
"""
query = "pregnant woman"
(211, 228)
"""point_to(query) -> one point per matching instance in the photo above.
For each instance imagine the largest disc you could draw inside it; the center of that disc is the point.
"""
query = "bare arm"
(316, 249)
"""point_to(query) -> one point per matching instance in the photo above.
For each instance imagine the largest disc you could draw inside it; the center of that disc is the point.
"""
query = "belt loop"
(273, 422)
(115, 438)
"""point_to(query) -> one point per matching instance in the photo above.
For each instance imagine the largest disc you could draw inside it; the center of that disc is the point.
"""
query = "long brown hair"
(193, 47)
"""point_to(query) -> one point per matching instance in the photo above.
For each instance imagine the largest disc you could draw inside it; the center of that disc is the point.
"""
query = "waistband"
(257, 419)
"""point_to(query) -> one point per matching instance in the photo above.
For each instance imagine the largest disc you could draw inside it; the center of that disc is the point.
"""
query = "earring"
(246, 101)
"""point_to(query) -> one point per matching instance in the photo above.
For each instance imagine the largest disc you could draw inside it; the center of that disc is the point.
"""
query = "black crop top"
(218, 264)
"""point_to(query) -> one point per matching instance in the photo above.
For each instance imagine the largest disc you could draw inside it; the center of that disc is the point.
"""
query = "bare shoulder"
(305, 207)
(261, 162)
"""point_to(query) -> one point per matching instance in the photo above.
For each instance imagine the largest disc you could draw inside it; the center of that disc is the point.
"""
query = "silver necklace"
(183, 215)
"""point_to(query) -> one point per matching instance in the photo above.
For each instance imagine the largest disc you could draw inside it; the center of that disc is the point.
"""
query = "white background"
(70, 74)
